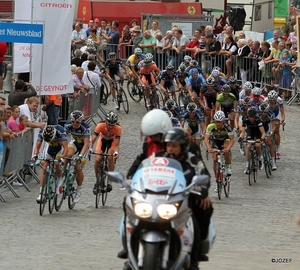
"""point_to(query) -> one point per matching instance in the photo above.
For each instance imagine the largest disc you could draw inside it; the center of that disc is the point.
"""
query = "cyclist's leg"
(58, 169)
(231, 116)
(100, 148)
(112, 87)
(228, 154)
(111, 146)
(121, 76)
(145, 82)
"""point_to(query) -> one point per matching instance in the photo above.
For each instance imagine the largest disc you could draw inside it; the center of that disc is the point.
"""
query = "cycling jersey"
(275, 107)
(218, 84)
(80, 133)
(176, 112)
(235, 89)
(196, 84)
(147, 69)
(209, 96)
(256, 102)
(243, 94)
(114, 68)
(182, 77)
(266, 120)
(175, 122)
(253, 131)
(102, 130)
(133, 60)
(228, 101)
(193, 123)
(219, 135)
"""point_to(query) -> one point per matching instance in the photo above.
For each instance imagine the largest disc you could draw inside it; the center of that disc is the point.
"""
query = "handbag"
(261, 65)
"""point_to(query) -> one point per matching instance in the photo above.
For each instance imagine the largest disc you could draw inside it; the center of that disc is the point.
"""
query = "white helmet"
(248, 86)
(154, 122)
(215, 73)
(187, 58)
(272, 95)
(256, 91)
(219, 116)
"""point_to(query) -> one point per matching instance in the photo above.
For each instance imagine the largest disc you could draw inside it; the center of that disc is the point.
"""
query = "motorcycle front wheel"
(152, 256)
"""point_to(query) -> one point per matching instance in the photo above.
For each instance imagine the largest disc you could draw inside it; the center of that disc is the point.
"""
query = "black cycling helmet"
(170, 104)
(226, 88)
(210, 81)
(112, 55)
(247, 101)
(252, 111)
(194, 63)
(49, 133)
(231, 80)
(177, 134)
(264, 107)
(170, 68)
(111, 118)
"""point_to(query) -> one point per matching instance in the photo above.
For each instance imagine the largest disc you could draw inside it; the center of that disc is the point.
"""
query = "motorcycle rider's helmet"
(179, 135)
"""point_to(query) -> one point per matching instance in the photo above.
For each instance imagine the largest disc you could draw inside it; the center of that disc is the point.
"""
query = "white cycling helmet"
(215, 73)
(248, 86)
(154, 122)
(148, 58)
(187, 58)
(256, 91)
(272, 95)
(219, 116)
(138, 51)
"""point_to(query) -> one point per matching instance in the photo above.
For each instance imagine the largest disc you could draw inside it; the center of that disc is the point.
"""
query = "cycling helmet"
(219, 116)
(216, 68)
(226, 88)
(77, 116)
(264, 107)
(247, 101)
(154, 122)
(169, 113)
(170, 104)
(252, 111)
(90, 43)
(111, 118)
(215, 73)
(272, 95)
(191, 107)
(194, 63)
(231, 80)
(49, 133)
(210, 80)
(187, 58)
(248, 86)
(182, 68)
(148, 58)
(170, 68)
(112, 55)
(138, 51)
(193, 71)
(179, 135)
(256, 91)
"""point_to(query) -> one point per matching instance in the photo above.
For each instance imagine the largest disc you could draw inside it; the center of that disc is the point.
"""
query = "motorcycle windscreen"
(159, 175)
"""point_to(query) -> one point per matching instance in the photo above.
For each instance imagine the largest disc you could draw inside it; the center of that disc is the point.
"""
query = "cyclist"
(235, 87)
(219, 135)
(112, 68)
(247, 90)
(254, 130)
(276, 107)
(195, 82)
(192, 121)
(174, 120)
(186, 61)
(148, 73)
(219, 69)
(168, 81)
(108, 133)
(56, 138)
(208, 97)
(257, 97)
(219, 80)
(195, 64)
(80, 143)
(267, 119)
(182, 76)
(227, 103)
(132, 64)
(170, 105)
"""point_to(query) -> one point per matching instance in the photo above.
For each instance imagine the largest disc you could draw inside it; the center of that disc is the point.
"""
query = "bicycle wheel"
(255, 169)
(267, 160)
(124, 100)
(43, 198)
(251, 169)
(103, 188)
(227, 186)
(135, 96)
(105, 90)
(220, 181)
(59, 198)
(71, 192)
(51, 193)
(98, 185)
(156, 99)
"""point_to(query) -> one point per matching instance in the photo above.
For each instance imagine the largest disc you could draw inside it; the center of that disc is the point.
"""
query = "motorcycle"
(159, 227)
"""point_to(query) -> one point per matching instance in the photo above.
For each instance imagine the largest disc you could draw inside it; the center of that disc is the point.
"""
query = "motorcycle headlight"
(166, 211)
(143, 210)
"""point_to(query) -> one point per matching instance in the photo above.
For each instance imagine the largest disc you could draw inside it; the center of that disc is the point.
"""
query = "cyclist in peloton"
(219, 80)
(168, 82)
(132, 63)
(175, 121)
(148, 73)
(219, 135)
(235, 87)
(267, 119)
(108, 135)
(56, 138)
(170, 105)
(247, 90)
(227, 103)
(80, 143)
(113, 67)
(192, 121)
(186, 61)
(276, 107)
(218, 69)
(195, 82)
(195, 64)
(254, 130)
(257, 97)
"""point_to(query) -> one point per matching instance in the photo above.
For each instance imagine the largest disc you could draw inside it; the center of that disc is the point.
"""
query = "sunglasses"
(77, 122)
(256, 95)
(2, 104)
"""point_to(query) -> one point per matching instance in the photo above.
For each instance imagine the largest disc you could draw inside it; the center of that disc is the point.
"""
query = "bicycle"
(253, 162)
(183, 99)
(267, 159)
(101, 180)
(222, 182)
(121, 96)
(67, 188)
(135, 91)
(156, 98)
(48, 188)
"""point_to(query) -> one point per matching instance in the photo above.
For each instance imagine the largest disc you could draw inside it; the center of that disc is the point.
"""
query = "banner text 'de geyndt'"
(21, 33)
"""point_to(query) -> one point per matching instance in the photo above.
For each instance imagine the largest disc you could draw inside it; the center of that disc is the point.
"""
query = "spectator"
(266, 73)
(208, 30)
(133, 23)
(277, 70)
(89, 59)
(198, 34)
(273, 59)
(126, 41)
(213, 48)
(52, 107)
(288, 46)
(285, 65)
(137, 36)
(22, 91)
(148, 42)
(23, 122)
(242, 59)
(3, 50)
(29, 109)
(13, 120)
(76, 60)
(103, 45)
(293, 37)
(160, 57)
(178, 46)
(193, 46)
(90, 26)
(93, 41)
(256, 55)
(289, 26)
(79, 87)
(78, 36)
(276, 36)
(201, 50)
(112, 37)
(154, 30)
(73, 69)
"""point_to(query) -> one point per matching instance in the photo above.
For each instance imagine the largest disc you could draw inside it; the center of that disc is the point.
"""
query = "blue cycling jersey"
(196, 84)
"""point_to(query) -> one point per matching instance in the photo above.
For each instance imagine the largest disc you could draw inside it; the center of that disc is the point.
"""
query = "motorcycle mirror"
(200, 180)
(118, 177)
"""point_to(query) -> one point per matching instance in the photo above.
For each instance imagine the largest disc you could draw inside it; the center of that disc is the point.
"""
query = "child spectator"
(12, 122)
(23, 122)
(286, 66)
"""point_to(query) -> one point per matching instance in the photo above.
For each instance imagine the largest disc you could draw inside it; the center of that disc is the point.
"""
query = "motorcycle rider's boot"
(126, 266)
(123, 254)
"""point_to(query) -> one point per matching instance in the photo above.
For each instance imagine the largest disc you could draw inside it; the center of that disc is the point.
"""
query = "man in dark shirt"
(112, 37)
(22, 91)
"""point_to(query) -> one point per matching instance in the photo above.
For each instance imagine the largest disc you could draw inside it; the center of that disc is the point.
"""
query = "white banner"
(21, 57)
(51, 72)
